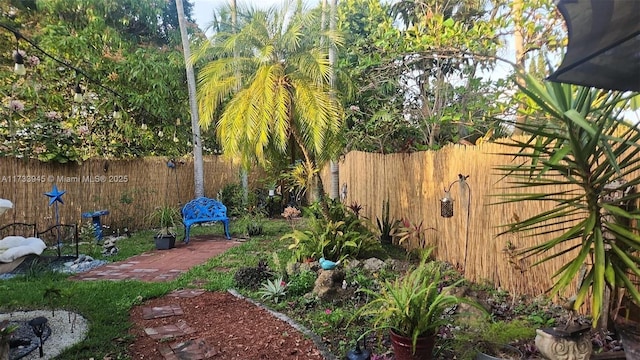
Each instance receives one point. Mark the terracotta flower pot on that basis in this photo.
(403, 347)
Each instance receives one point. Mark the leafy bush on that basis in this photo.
(335, 232)
(232, 196)
(301, 283)
(331, 240)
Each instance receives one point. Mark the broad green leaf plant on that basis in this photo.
(582, 146)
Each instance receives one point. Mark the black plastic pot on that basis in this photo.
(165, 242)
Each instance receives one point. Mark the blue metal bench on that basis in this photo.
(204, 210)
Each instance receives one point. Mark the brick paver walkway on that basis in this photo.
(194, 349)
(166, 265)
(162, 265)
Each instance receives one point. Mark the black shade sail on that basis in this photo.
(604, 44)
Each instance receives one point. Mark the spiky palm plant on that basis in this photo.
(582, 146)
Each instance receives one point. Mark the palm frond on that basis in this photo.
(583, 152)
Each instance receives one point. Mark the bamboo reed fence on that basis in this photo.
(412, 183)
(129, 189)
(415, 183)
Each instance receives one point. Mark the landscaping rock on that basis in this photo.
(373, 264)
(328, 283)
(352, 264)
(109, 247)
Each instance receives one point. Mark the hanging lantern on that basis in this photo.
(446, 205)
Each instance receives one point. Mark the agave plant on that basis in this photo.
(273, 290)
(584, 147)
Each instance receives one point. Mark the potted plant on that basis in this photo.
(254, 221)
(583, 144)
(411, 307)
(166, 219)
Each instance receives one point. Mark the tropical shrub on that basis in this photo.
(386, 225)
(413, 304)
(411, 234)
(301, 283)
(252, 277)
(231, 195)
(333, 240)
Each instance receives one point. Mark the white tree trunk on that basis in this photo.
(244, 177)
(334, 193)
(198, 173)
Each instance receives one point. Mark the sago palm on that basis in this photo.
(583, 148)
(267, 88)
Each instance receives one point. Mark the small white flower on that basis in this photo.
(16, 105)
(52, 115)
(33, 60)
(143, 126)
(175, 139)
(160, 133)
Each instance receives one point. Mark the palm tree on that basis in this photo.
(198, 167)
(267, 89)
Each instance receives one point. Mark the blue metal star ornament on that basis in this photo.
(55, 195)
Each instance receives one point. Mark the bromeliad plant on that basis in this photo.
(386, 225)
(584, 147)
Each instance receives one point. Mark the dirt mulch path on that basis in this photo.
(221, 327)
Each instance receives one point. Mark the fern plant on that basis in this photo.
(413, 305)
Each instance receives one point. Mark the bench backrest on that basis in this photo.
(204, 208)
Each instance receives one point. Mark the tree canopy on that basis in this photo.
(122, 54)
(411, 75)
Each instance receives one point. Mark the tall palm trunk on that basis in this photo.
(198, 172)
(244, 176)
(335, 169)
